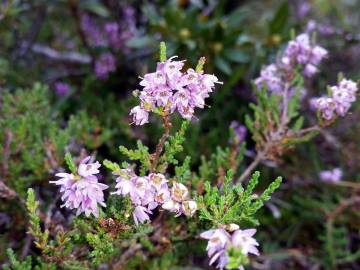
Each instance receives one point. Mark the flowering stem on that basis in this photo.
(160, 146)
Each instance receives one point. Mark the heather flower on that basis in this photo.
(170, 89)
(240, 132)
(270, 77)
(93, 32)
(140, 116)
(220, 242)
(326, 107)
(158, 181)
(331, 176)
(179, 192)
(189, 208)
(104, 65)
(299, 53)
(61, 88)
(244, 240)
(340, 100)
(82, 191)
(151, 191)
(124, 183)
(141, 214)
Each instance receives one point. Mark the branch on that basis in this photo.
(259, 157)
(73, 57)
(160, 146)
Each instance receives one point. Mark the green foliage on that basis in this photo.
(162, 51)
(233, 203)
(236, 258)
(141, 154)
(69, 161)
(102, 247)
(15, 264)
(173, 146)
(33, 142)
(41, 238)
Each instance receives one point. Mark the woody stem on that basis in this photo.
(161, 143)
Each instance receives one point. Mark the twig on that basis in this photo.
(307, 130)
(160, 146)
(72, 57)
(259, 157)
(8, 193)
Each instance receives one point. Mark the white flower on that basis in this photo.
(179, 192)
(189, 207)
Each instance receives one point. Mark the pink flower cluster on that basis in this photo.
(82, 191)
(339, 102)
(302, 52)
(299, 52)
(331, 176)
(170, 89)
(220, 241)
(151, 191)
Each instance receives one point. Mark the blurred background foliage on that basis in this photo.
(307, 225)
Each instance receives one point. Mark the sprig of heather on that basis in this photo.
(339, 100)
(149, 192)
(300, 54)
(170, 89)
(80, 189)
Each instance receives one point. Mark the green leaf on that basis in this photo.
(69, 161)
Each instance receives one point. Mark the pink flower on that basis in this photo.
(141, 214)
(244, 240)
(220, 241)
(340, 100)
(86, 169)
(83, 191)
(331, 176)
(171, 89)
(140, 116)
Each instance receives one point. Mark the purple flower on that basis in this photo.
(82, 191)
(339, 103)
(141, 214)
(240, 132)
(140, 116)
(149, 192)
(220, 241)
(326, 107)
(171, 89)
(104, 65)
(271, 78)
(61, 89)
(331, 176)
(93, 32)
(301, 52)
(244, 240)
